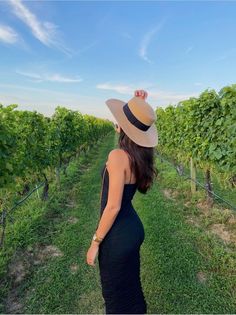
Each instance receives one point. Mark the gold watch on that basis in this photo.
(96, 238)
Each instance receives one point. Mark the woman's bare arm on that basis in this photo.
(116, 170)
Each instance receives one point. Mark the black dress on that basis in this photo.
(119, 256)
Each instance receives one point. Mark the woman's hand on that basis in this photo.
(141, 93)
(92, 253)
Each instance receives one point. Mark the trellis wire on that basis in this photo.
(197, 182)
(6, 213)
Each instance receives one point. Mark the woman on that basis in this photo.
(120, 232)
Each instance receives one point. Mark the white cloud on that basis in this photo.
(122, 89)
(145, 42)
(168, 96)
(159, 96)
(45, 32)
(46, 100)
(49, 77)
(198, 84)
(8, 35)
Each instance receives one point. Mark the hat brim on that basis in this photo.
(148, 138)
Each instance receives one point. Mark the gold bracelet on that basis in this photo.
(96, 238)
(101, 238)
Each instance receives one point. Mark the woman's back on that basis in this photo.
(119, 257)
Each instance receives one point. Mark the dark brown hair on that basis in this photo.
(141, 162)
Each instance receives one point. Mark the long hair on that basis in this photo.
(141, 162)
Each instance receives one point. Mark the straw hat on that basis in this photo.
(137, 119)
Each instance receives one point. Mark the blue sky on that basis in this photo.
(79, 53)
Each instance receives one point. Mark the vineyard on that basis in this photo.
(200, 132)
(33, 147)
(50, 176)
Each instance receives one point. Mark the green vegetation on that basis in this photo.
(43, 264)
(34, 147)
(188, 257)
(202, 129)
(185, 266)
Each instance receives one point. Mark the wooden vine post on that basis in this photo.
(193, 176)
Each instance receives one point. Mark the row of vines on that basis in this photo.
(202, 130)
(33, 146)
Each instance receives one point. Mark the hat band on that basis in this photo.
(130, 116)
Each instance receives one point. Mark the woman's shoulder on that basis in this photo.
(117, 156)
(117, 153)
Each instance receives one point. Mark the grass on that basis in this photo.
(184, 267)
(63, 283)
(219, 185)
